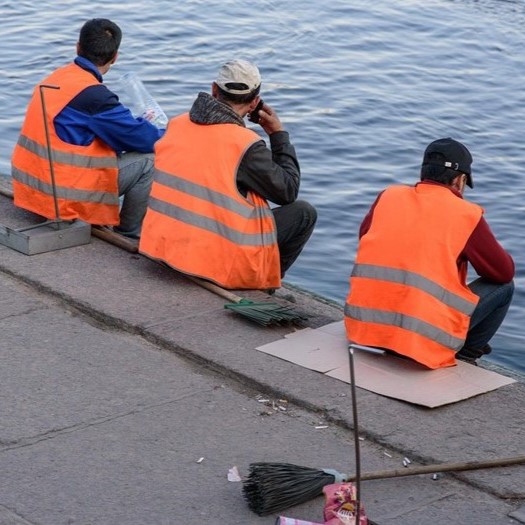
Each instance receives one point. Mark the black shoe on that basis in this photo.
(471, 354)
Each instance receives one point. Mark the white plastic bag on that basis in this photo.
(142, 104)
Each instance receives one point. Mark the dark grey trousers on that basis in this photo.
(295, 223)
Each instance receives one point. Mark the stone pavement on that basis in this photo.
(128, 392)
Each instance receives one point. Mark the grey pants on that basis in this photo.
(135, 177)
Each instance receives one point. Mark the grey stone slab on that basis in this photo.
(13, 303)
(518, 514)
(7, 517)
(63, 372)
(143, 468)
(12, 216)
(157, 301)
(83, 400)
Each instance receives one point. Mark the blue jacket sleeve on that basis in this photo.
(97, 112)
(119, 129)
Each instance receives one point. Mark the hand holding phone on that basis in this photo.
(254, 115)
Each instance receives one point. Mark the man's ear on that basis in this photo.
(459, 183)
(214, 90)
(254, 102)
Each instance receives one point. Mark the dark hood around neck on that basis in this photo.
(208, 110)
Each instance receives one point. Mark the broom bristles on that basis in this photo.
(272, 487)
(266, 313)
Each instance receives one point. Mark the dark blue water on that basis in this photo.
(362, 87)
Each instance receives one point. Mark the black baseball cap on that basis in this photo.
(456, 157)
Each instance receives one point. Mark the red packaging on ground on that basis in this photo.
(341, 505)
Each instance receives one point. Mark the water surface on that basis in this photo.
(362, 87)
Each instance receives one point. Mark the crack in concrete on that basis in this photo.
(25, 312)
(8, 516)
(51, 434)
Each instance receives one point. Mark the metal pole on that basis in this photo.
(49, 151)
(356, 437)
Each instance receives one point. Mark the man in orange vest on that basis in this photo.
(408, 291)
(99, 150)
(208, 213)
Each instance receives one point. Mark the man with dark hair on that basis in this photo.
(408, 291)
(208, 213)
(100, 151)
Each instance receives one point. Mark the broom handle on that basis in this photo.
(225, 294)
(443, 467)
(132, 247)
(117, 240)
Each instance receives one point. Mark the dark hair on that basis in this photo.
(438, 173)
(235, 98)
(99, 40)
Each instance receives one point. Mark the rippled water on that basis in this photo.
(362, 86)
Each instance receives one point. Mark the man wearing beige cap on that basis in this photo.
(208, 213)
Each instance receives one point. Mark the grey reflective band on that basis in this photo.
(71, 159)
(96, 197)
(415, 280)
(407, 322)
(202, 192)
(200, 221)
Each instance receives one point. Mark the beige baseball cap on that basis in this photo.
(238, 77)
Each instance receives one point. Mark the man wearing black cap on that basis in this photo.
(408, 290)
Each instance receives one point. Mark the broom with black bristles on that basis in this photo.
(273, 487)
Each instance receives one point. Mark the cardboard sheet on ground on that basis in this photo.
(325, 350)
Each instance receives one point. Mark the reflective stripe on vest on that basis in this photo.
(415, 280)
(407, 293)
(189, 217)
(72, 159)
(369, 315)
(64, 193)
(197, 221)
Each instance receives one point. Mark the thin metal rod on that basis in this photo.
(50, 222)
(356, 436)
(49, 151)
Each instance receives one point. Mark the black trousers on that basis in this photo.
(295, 223)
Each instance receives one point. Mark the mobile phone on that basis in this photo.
(254, 115)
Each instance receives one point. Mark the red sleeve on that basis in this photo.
(487, 256)
(367, 221)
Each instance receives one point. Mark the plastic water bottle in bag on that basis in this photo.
(141, 103)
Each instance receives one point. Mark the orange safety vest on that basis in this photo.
(86, 177)
(197, 221)
(407, 293)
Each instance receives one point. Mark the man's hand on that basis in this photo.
(269, 120)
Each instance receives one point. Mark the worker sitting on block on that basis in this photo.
(208, 214)
(408, 291)
(100, 151)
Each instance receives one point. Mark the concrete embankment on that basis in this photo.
(128, 392)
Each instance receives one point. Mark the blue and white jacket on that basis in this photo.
(96, 111)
